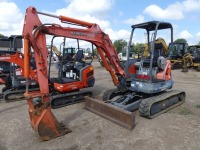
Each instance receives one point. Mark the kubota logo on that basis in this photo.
(2, 58)
(79, 33)
(82, 34)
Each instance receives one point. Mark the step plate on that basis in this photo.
(119, 116)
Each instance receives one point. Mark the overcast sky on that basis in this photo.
(113, 16)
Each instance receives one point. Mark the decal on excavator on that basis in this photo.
(3, 58)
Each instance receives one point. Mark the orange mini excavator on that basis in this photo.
(140, 85)
(13, 75)
(15, 83)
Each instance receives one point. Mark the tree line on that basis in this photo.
(137, 47)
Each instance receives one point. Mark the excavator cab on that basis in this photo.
(176, 52)
(4, 66)
(152, 74)
(191, 59)
(194, 50)
(68, 53)
(9, 46)
(74, 74)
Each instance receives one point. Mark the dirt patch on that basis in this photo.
(176, 129)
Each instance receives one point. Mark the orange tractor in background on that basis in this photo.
(9, 45)
(139, 85)
(12, 73)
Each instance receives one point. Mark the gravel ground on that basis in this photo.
(174, 130)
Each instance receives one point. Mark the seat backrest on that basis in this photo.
(158, 50)
(79, 56)
(161, 62)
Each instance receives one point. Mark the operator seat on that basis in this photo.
(161, 62)
(158, 51)
(79, 63)
(79, 56)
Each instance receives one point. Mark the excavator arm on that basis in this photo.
(34, 32)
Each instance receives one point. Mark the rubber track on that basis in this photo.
(14, 92)
(71, 94)
(82, 92)
(145, 105)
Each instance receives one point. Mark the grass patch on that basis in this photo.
(185, 111)
(197, 106)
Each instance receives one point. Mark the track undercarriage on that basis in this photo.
(149, 105)
(15, 95)
(57, 99)
(61, 100)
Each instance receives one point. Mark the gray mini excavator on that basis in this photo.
(145, 85)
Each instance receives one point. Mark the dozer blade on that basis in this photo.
(121, 117)
(44, 122)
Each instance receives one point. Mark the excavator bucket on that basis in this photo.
(46, 125)
(44, 122)
(121, 117)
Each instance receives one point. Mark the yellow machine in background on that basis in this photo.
(158, 41)
(192, 58)
(54, 48)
